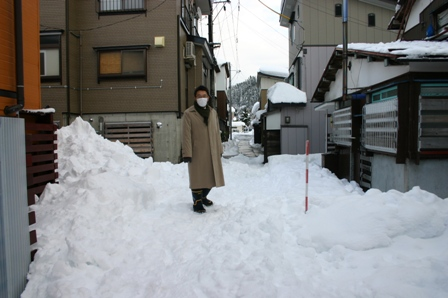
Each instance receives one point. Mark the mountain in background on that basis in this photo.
(243, 96)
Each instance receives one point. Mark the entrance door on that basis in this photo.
(293, 139)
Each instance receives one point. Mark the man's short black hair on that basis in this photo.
(201, 88)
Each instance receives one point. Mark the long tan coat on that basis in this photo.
(203, 144)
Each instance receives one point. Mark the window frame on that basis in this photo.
(122, 75)
(435, 16)
(385, 94)
(371, 20)
(44, 49)
(338, 10)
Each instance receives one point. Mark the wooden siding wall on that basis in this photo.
(7, 53)
(31, 55)
(271, 143)
(164, 63)
(41, 146)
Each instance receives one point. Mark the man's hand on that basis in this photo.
(187, 159)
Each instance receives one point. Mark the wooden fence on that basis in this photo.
(41, 159)
(137, 135)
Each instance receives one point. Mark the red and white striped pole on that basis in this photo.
(306, 174)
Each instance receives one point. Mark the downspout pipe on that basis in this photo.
(344, 48)
(67, 56)
(212, 72)
(19, 60)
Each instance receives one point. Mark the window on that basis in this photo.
(120, 6)
(290, 79)
(441, 19)
(371, 19)
(434, 90)
(338, 10)
(122, 62)
(386, 94)
(292, 33)
(50, 56)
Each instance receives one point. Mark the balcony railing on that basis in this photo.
(120, 6)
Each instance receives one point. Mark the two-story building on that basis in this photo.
(127, 67)
(315, 28)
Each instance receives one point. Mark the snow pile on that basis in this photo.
(120, 226)
(285, 93)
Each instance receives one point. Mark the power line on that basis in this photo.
(117, 22)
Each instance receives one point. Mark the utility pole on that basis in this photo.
(230, 102)
(344, 49)
(354, 143)
(210, 42)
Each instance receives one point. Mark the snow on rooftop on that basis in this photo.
(408, 49)
(40, 111)
(275, 71)
(255, 107)
(285, 93)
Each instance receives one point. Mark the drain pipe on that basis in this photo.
(19, 60)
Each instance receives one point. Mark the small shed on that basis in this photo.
(392, 131)
(289, 121)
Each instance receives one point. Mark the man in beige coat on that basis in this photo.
(202, 148)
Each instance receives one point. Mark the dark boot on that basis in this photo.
(197, 201)
(206, 202)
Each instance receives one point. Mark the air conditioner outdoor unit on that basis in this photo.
(189, 51)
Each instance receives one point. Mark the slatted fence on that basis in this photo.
(137, 135)
(41, 159)
(433, 124)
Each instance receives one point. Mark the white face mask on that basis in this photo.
(202, 102)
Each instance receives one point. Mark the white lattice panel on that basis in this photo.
(380, 126)
(342, 127)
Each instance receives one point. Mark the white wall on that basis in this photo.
(364, 74)
(266, 83)
(221, 80)
(273, 121)
(414, 16)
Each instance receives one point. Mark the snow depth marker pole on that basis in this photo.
(306, 175)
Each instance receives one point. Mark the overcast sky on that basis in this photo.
(250, 35)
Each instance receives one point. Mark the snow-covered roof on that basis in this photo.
(238, 123)
(396, 52)
(40, 111)
(275, 71)
(285, 93)
(255, 107)
(417, 49)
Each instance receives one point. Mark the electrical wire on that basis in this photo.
(282, 15)
(115, 23)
